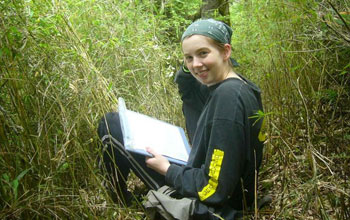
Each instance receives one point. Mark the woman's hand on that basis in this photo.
(158, 163)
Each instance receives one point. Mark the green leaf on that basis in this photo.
(345, 71)
(110, 85)
(5, 52)
(15, 184)
(6, 177)
(63, 167)
(20, 176)
(347, 137)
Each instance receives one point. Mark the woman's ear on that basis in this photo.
(227, 51)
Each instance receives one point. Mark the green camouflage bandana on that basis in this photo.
(216, 30)
(213, 29)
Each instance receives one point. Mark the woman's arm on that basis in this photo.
(190, 89)
(215, 181)
(194, 96)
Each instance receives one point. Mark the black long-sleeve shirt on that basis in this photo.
(226, 150)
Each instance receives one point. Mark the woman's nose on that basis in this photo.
(197, 62)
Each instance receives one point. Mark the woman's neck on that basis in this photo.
(232, 74)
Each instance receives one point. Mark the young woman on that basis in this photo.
(220, 107)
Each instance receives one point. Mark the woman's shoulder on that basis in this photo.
(231, 87)
(234, 90)
(226, 93)
(226, 100)
(235, 86)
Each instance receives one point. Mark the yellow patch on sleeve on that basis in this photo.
(214, 172)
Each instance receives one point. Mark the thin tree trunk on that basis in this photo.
(211, 7)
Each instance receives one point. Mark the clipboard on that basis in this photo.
(141, 131)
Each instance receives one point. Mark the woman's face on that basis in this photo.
(205, 61)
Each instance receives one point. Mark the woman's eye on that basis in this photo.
(203, 53)
(188, 59)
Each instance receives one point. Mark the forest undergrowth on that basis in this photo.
(63, 64)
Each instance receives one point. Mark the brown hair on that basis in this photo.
(220, 46)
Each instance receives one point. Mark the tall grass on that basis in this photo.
(64, 63)
(297, 52)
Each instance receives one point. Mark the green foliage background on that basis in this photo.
(64, 63)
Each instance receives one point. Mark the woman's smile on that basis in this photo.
(203, 74)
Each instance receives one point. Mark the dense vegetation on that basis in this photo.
(64, 63)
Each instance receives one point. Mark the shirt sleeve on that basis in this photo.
(191, 91)
(214, 182)
(193, 95)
